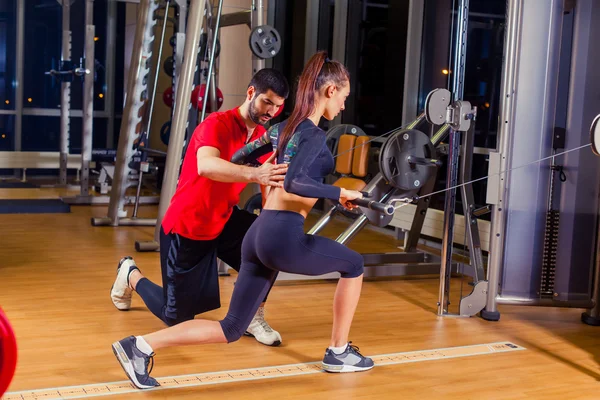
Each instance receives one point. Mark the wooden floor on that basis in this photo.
(56, 271)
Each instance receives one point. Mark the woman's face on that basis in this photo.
(335, 99)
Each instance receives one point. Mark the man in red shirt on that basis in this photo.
(203, 221)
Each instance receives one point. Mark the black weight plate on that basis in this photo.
(264, 41)
(393, 159)
(254, 204)
(168, 66)
(203, 48)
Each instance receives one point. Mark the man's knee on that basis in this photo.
(178, 320)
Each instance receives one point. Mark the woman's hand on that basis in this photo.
(346, 196)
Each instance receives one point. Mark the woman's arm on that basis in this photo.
(297, 180)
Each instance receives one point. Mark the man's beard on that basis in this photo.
(254, 115)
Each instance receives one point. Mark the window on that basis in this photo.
(8, 50)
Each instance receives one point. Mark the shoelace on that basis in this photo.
(266, 326)
(354, 349)
(150, 358)
(260, 317)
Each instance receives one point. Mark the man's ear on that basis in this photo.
(250, 93)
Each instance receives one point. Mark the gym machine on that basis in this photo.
(544, 241)
(408, 167)
(183, 68)
(264, 43)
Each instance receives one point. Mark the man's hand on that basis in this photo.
(346, 196)
(270, 173)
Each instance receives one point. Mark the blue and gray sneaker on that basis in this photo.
(135, 363)
(349, 361)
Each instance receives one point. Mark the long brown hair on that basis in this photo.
(318, 71)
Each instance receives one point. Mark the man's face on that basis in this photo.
(264, 106)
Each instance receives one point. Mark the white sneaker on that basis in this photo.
(261, 331)
(121, 292)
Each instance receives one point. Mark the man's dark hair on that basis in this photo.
(270, 79)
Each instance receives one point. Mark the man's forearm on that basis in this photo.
(219, 170)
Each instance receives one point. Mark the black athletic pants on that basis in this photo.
(189, 271)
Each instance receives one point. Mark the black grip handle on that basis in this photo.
(387, 209)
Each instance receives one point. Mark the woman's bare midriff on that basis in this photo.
(279, 199)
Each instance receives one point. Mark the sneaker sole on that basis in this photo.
(113, 285)
(274, 344)
(126, 365)
(344, 368)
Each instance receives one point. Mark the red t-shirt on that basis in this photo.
(200, 206)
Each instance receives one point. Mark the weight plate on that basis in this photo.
(393, 159)
(8, 353)
(165, 132)
(595, 135)
(254, 204)
(264, 41)
(203, 48)
(168, 66)
(435, 106)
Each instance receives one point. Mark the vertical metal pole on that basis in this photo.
(472, 230)
(340, 22)
(312, 29)
(412, 67)
(257, 19)
(506, 117)
(210, 82)
(460, 52)
(592, 316)
(449, 209)
(181, 11)
(111, 53)
(213, 91)
(212, 30)
(88, 98)
(416, 227)
(19, 75)
(65, 94)
(182, 105)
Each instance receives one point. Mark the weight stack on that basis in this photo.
(549, 257)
